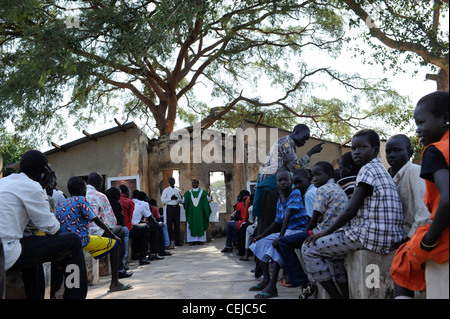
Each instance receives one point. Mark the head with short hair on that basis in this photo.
(124, 189)
(302, 180)
(300, 134)
(365, 146)
(405, 140)
(284, 181)
(437, 103)
(32, 164)
(326, 167)
(142, 196)
(347, 166)
(76, 186)
(322, 172)
(96, 180)
(113, 193)
(398, 152)
(372, 136)
(432, 117)
(135, 193)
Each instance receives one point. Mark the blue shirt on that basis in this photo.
(298, 218)
(309, 197)
(74, 215)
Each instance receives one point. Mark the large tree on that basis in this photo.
(63, 59)
(412, 27)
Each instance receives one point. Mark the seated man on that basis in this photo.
(74, 215)
(23, 198)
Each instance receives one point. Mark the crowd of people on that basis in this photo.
(41, 224)
(327, 214)
(323, 213)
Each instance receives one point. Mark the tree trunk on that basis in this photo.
(442, 80)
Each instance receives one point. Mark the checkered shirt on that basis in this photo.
(378, 222)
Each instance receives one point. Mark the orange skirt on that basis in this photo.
(408, 266)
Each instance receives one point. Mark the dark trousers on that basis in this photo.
(241, 238)
(173, 222)
(140, 234)
(232, 234)
(119, 232)
(65, 252)
(292, 264)
(154, 238)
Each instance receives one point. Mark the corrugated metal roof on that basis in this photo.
(82, 140)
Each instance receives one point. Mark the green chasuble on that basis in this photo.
(197, 211)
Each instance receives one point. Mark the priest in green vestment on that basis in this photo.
(197, 209)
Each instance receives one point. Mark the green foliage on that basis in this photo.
(414, 32)
(12, 147)
(143, 58)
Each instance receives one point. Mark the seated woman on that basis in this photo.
(239, 216)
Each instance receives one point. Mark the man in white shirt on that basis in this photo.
(23, 198)
(150, 229)
(171, 197)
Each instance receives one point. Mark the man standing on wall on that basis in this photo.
(171, 197)
(196, 206)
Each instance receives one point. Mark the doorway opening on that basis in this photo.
(218, 190)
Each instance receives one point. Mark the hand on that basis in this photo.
(275, 243)
(316, 149)
(255, 239)
(174, 197)
(118, 239)
(312, 239)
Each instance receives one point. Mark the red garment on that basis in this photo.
(408, 266)
(243, 208)
(155, 213)
(128, 209)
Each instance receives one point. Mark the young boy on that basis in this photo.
(74, 215)
(347, 171)
(290, 218)
(302, 182)
(376, 218)
(410, 186)
(430, 241)
(330, 201)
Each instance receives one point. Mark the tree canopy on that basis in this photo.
(76, 59)
(406, 31)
